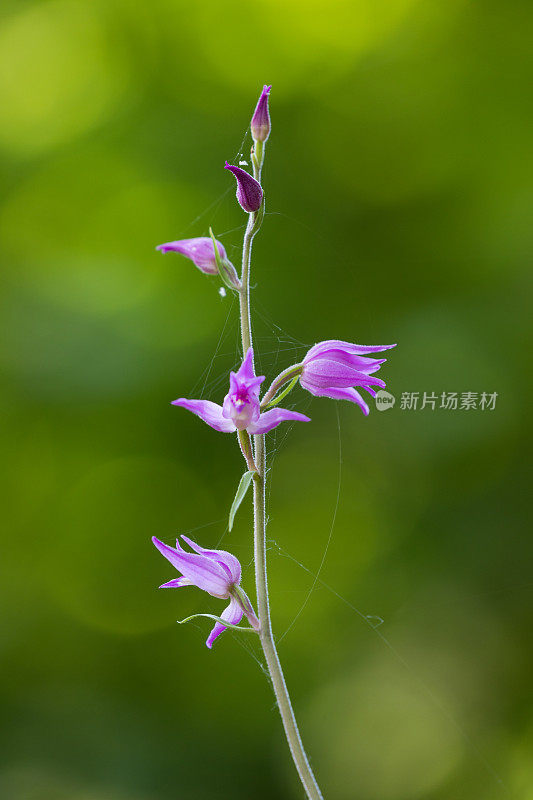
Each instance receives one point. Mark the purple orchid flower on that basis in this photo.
(334, 368)
(249, 191)
(214, 571)
(240, 410)
(260, 124)
(199, 250)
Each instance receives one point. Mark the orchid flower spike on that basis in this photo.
(214, 571)
(249, 191)
(260, 124)
(334, 368)
(201, 252)
(240, 410)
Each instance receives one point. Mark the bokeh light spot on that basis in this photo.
(59, 75)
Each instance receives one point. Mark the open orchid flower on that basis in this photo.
(240, 410)
(214, 571)
(334, 368)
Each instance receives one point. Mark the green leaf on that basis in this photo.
(239, 495)
(218, 619)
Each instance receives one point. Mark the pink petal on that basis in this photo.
(360, 363)
(232, 614)
(341, 394)
(176, 583)
(270, 419)
(203, 572)
(348, 347)
(228, 561)
(199, 250)
(324, 372)
(209, 412)
(246, 370)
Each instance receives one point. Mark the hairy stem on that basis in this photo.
(265, 630)
(265, 626)
(244, 295)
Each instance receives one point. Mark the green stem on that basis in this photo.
(244, 295)
(292, 733)
(246, 449)
(261, 580)
(283, 394)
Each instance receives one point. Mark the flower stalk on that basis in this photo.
(246, 448)
(260, 549)
(266, 636)
(290, 376)
(334, 368)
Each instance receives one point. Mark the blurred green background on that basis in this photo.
(398, 182)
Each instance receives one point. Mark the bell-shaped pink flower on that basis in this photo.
(240, 410)
(334, 368)
(214, 571)
(249, 191)
(260, 124)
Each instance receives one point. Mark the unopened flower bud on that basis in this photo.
(249, 191)
(199, 250)
(260, 124)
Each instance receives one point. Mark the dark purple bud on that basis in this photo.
(249, 192)
(260, 124)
